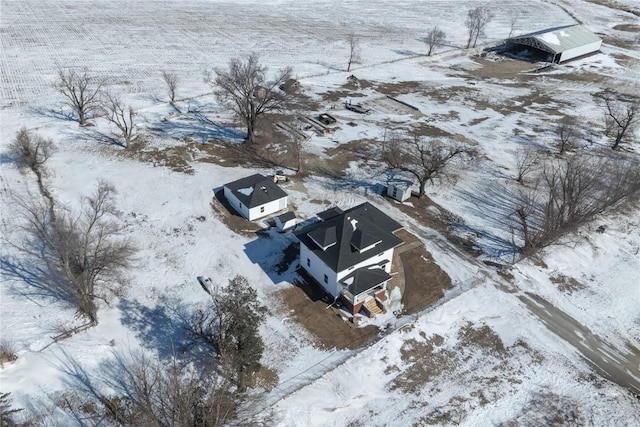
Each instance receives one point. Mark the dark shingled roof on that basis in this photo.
(329, 213)
(364, 279)
(287, 216)
(374, 226)
(256, 190)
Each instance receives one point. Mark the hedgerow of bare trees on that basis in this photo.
(81, 92)
(568, 193)
(146, 391)
(85, 249)
(355, 56)
(245, 88)
(476, 22)
(621, 117)
(121, 116)
(434, 38)
(172, 80)
(229, 325)
(422, 158)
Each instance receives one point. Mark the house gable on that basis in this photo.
(358, 231)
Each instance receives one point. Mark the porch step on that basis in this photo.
(372, 306)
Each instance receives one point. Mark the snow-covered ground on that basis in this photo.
(524, 369)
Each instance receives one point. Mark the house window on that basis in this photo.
(308, 262)
(261, 209)
(326, 279)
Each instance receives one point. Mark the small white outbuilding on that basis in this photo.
(285, 221)
(561, 44)
(255, 196)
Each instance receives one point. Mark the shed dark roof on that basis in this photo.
(364, 279)
(374, 226)
(287, 216)
(255, 190)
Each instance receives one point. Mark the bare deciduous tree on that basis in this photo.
(434, 38)
(81, 92)
(171, 79)
(568, 134)
(146, 391)
(354, 50)
(621, 117)
(513, 21)
(122, 117)
(244, 87)
(476, 22)
(85, 248)
(230, 325)
(570, 193)
(421, 158)
(32, 151)
(297, 149)
(526, 161)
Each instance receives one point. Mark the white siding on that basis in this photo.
(317, 269)
(269, 208)
(235, 203)
(386, 255)
(402, 192)
(580, 50)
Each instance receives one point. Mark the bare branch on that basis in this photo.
(121, 116)
(621, 117)
(434, 38)
(476, 22)
(354, 50)
(172, 80)
(244, 87)
(81, 92)
(423, 159)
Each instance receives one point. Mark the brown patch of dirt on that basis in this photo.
(566, 284)
(399, 88)
(266, 378)
(611, 4)
(424, 280)
(505, 68)
(483, 337)
(631, 28)
(337, 95)
(308, 305)
(236, 223)
(426, 360)
(618, 42)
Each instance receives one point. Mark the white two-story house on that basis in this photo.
(349, 253)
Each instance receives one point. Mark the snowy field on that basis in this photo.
(513, 369)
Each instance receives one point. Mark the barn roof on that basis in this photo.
(557, 40)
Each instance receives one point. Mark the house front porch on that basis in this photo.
(365, 290)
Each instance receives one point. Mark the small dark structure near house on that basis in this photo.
(290, 86)
(356, 108)
(326, 119)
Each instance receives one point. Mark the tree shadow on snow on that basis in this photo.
(160, 327)
(201, 129)
(495, 203)
(42, 280)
